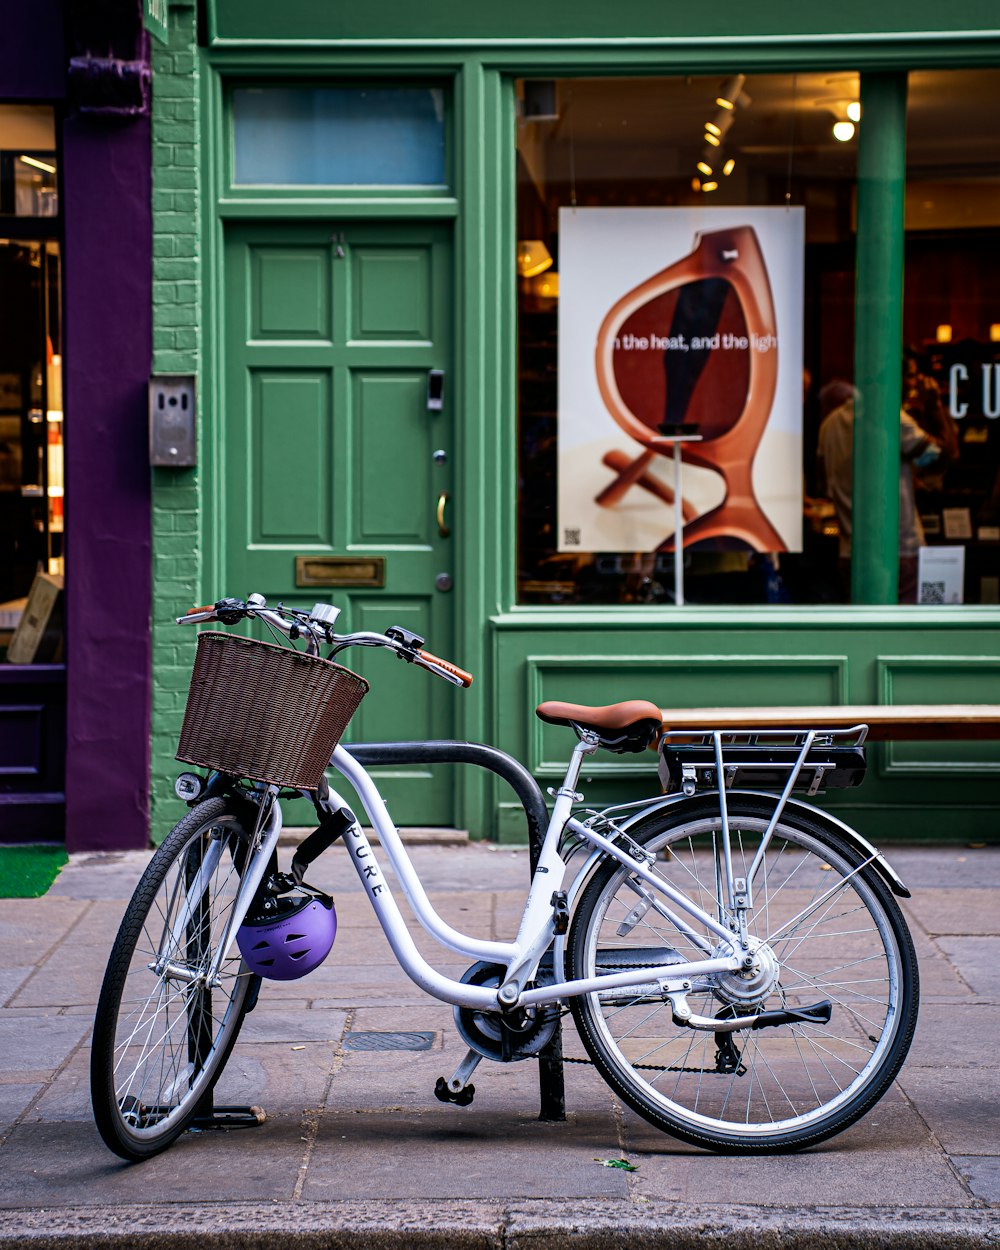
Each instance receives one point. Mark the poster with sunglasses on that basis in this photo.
(680, 322)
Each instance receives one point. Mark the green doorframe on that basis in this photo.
(485, 319)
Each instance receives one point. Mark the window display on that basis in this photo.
(31, 404)
(951, 374)
(687, 221)
(749, 144)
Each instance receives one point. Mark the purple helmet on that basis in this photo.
(289, 936)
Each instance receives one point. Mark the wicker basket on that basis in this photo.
(265, 712)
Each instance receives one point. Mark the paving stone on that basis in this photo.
(13, 1100)
(38, 921)
(461, 1156)
(31, 1042)
(67, 977)
(53, 1164)
(955, 911)
(112, 875)
(954, 1036)
(289, 1027)
(927, 868)
(983, 1175)
(284, 1080)
(962, 1113)
(887, 1159)
(977, 960)
(11, 979)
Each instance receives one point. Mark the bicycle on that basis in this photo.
(735, 961)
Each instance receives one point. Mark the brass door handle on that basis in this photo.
(443, 529)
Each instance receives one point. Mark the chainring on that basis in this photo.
(527, 1033)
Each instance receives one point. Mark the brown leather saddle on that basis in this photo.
(621, 727)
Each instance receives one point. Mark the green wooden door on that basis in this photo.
(331, 459)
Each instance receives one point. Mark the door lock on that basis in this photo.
(444, 581)
(435, 390)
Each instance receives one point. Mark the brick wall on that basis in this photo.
(176, 349)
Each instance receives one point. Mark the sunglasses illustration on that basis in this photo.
(693, 351)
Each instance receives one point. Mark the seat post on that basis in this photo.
(588, 744)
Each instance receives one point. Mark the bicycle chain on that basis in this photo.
(659, 1067)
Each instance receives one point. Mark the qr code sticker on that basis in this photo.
(932, 592)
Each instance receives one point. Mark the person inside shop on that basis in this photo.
(838, 402)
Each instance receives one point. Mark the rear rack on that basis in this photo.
(797, 758)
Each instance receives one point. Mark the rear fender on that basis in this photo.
(793, 806)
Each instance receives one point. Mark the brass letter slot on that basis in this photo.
(339, 571)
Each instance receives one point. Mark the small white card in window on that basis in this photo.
(957, 523)
(940, 574)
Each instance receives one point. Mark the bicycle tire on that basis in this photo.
(161, 1039)
(775, 1089)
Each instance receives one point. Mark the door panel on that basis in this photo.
(290, 293)
(288, 412)
(389, 424)
(392, 293)
(327, 450)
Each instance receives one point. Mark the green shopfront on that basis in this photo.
(485, 305)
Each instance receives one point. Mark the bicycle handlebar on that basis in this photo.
(297, 623)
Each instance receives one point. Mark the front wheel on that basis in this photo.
(824, 931)
(162, 1032)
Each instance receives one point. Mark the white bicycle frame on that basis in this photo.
(537, 927)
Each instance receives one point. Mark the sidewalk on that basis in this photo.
(356, 1151)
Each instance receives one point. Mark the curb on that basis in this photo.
(495, 1226)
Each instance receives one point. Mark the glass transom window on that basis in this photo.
(338, 136)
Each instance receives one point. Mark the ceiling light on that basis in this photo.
(712, 128)
(854, 110)
(995, 332)
(695, 184)
(843, 131)
(712, 139)
(710, 186)
(729, 166)
(533, 257)
(30, 160)
(731, 91)
(546, 285)
(704, 168)
(943, 334)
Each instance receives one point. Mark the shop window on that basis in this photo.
(298, 136)
(28, 167)
(951, 328)
(685, 277)
(31, 407)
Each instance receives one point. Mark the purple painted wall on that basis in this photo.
(32, 50)
(106, 204)
(108, 302)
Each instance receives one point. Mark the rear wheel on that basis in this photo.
(162, 1034)
(823, 929)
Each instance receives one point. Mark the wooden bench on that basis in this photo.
(917, 722)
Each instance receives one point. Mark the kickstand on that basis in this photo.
(209, 1116)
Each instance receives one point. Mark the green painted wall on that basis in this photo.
(520, 655)
(177, 324)
(568, 20)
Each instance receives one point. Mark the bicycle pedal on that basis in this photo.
(461, 1098)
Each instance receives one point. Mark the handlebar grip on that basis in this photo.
(209, 607)
(458, 675)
